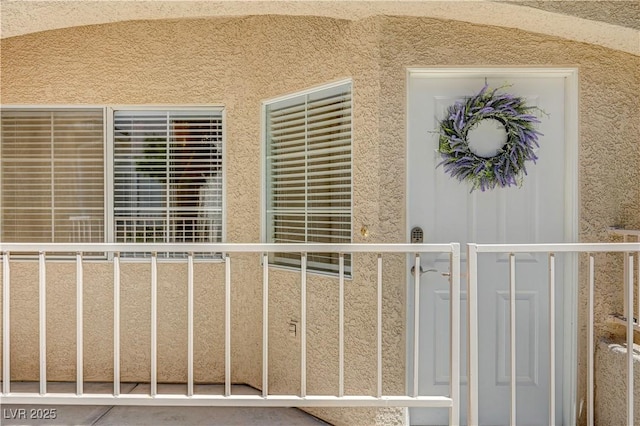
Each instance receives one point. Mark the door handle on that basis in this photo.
(422, 271)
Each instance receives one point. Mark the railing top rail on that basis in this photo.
(312, 247)
(225, 248)
(556, 248)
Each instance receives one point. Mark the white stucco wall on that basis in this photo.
(238, 62)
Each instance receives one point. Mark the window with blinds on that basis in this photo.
(52, 175)
(308, 182)
(168, 176)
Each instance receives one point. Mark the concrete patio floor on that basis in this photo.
(131, 415)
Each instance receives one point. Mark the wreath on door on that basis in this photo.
(508, 166)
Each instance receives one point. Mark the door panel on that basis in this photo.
(448, 212)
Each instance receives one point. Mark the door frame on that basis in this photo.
(571, 207)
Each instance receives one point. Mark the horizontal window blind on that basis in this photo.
(52, 175)
(168, 176)
(308, 139)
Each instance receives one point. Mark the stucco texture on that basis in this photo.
(611, 374)
(237, 63)
(135, 322)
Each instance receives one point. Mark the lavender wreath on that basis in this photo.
(507, 167)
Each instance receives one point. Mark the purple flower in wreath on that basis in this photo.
(507, 167)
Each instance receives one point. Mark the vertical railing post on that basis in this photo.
(630, 388)
(416, 325)
(379, 328)
(552, 339)
(79, 325)
(42, 290)
(227, 325)
(303, 326)
(190, 324)
(265, 325)
(590, 343)
(472, 333)
(116, 324)
(154, 324)
(454, 321)
(341, 326)
(6, 329)
(625, 279)
(512, 333)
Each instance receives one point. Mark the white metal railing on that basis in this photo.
(413, 399)
(474, 250)
(628, 235)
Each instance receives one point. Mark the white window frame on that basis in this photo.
(108, 149)
(264, 171)
(109, 171)
(70, 107)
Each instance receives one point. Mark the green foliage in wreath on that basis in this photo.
(507, 167)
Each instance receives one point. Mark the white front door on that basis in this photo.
(447, 211)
